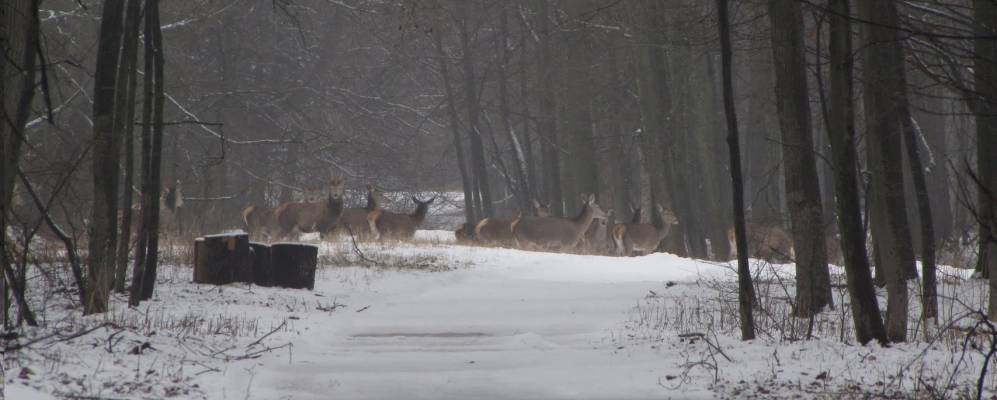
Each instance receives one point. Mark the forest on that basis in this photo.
(835, 161)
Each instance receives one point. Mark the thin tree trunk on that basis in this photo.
(124, 119)
(813, 279)
(841, 134)
(548, 123)
(156, 153)
(522, 187)
(478, 161)
(985, 77)
(106, 155)
(882, 80)
(929, 281)
(19, 30)
(470, 216)
(745, 292)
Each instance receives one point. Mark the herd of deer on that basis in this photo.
(588, 230)
(322, 211)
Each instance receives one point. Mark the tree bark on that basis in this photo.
(929, 280)
(813, 280)
(841, 133)
(478, 161)
(124, 123)
(882, 81)
(19, 32)
(470, 216)
(106, 155)
(745, 292)
(550, 150)
(985, 83)
(154, 32)
(147, 249)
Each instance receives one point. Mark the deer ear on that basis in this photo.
(536, 204)
(591, 198)
(415, 200)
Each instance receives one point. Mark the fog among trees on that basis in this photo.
(863, 134)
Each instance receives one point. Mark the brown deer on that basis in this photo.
(312, 216)
(556, 232)
(354, 219)
(633, 237)
(498, 231)
(767, 242)
(260, 221)
(387, 225)
(597, 239)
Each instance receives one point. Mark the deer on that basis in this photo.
(260, 221)
(499, 231)
(767, 242)
(386, 225)
(354, 219)
(636, 237)
(556, 232)
(597, 238)
(312, 216)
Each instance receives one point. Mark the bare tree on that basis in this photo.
(882, 80)
(985, 84)
(106, 154)
(813, 279)
(841, 132)
(147, 251)
(745, 292)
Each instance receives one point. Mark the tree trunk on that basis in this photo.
(929, 281)
(124, 120)
(985, 76)
(522, 188)
(156, 152)
(19, 32)
(478, 161)
(550, 150)
(147, 249)
(882, 80)
(745, 292)
(106, 153)
(813, 280)
(841, 133)
(470, 216)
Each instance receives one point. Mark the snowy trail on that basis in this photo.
(513, 325)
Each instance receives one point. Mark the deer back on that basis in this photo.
(389, 225)
(767, 242)
(557, 232)
(495, 231)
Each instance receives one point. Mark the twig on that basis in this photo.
(279, 327)
(60, 339)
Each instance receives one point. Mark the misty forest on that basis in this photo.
(576, 199)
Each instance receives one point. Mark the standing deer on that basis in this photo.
(354, 220)
(260, 221)
(767, 242)
(499, 231)
(628, 238)
(393, 226)
(312, 216)
(556, 232)
(597, 238)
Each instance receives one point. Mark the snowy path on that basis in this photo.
(514, 325)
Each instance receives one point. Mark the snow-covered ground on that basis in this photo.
(449, 321)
